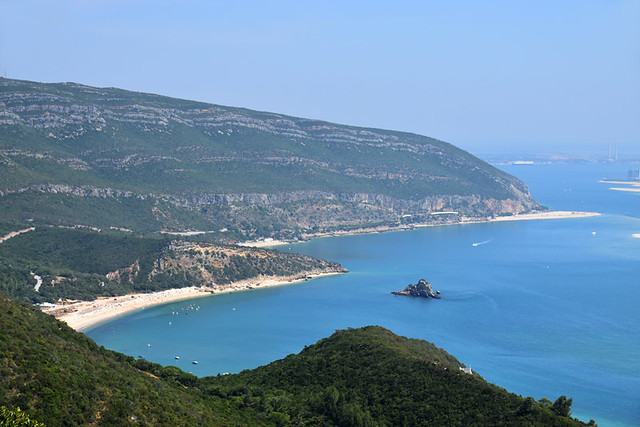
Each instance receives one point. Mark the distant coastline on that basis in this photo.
(385, 228)
(634, 185)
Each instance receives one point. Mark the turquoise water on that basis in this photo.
(543, 308)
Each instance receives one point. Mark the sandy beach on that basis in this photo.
(633, 190)
(83, 314)
(545, 215)
(634, 186)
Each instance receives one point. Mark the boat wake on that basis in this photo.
(480, 243)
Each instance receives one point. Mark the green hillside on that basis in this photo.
(104, 157)
(80, 264)
(370, 376)
(61, 377)
(365, 376)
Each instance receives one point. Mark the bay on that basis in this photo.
(542, 308)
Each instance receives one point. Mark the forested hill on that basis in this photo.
(49, 263)
(357, 377)
(105, 157)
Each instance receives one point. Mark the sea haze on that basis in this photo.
(542, 308)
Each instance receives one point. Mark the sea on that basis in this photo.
(542, 308)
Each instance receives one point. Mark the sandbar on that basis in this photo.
(545, 215)
(633, 190)
(403, 227)
(84, 314)
(634, 182)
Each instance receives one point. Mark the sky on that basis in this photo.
(488, 76)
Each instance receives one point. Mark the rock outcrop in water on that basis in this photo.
(422, 289)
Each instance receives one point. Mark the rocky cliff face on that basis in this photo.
(215, 266)
(260, 173)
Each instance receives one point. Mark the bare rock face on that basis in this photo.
(422, 289)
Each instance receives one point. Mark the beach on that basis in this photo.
(545, 215)
(84, 314)
(633, 190)
(385, 228)
(633, 183)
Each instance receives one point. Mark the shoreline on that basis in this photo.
(385, 228)
(546, 215)
(633, 190)
(84, 314)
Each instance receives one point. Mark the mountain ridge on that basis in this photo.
(258, 174)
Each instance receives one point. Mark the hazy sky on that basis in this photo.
(508, 74)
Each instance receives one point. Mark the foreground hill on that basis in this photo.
(365, 376)
(104, 157)
(61, 377)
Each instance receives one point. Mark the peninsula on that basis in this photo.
(131, 162)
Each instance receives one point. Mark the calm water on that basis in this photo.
(542, 308)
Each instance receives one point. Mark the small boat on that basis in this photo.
(177, 357)
(148, 345)
(195, 362)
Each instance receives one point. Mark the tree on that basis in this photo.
(562, 406)
(16, 418)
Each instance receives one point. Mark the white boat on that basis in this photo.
(195, 362)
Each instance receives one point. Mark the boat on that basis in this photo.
(195, 362)
(177, 357)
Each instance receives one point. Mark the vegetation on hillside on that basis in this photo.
(16, 418)
(105, 157)
(61, 377)
(80, 264)
(366, 376)
(370, 376)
